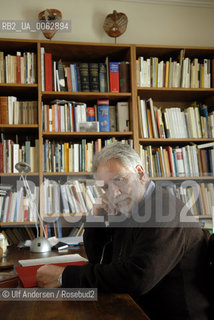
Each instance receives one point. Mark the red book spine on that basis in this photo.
(18, 57)
(170, 160)
(48, 72)
(114, 76)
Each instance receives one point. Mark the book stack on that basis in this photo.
(19, 68)
(17, 236)
(18, 112)
(75, 197)
(84, 76)
(72, 157)
(199, 197)
(174, 73)
(15, 206)
(12, 152)
(188, 161)
(191, 122)
(66, 116)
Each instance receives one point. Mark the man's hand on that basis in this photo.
(47, 276)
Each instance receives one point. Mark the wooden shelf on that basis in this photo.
(14, 224)
(175, 140)
(25, 91)
(18, 174)
(20, 127)
(181, 178)
(67, 173)
(86, 134)
(203, 217)
(84, 96)
(72, 214)
(18, 85)
(175, 94)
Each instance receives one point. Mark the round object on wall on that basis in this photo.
(49, 16)
(115, 24)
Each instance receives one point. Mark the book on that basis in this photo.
(48, 71)
(94, 77)
(122, 114)
(84, 76)
(102, 77)
(4, 114)
(124, 76)
(90, 113)
(61, 75)
(27, 273)
(113, 121)
(103, 115)
(114, 81)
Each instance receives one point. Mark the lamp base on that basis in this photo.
(40, 244)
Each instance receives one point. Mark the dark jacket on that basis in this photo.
(164, 268)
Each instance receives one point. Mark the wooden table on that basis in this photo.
(108, 306)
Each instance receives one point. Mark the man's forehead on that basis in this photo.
(108, 177)
(112, 166)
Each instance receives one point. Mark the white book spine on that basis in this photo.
(42, 52)
(180, 162)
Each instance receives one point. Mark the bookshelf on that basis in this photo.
(74, 53)
(68, 53)
(167, 94)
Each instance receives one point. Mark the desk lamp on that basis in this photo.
(39, 244)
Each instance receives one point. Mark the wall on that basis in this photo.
(148, 23)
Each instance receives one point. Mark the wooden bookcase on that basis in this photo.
(164, 98)
(74, 52)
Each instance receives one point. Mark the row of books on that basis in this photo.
(59, 228)
(15, 206)
(83, 76)
(72, 197)
(188, 161)
(77, 116)
(174, 73)
(12, 152)
(18, 112)
(17, 236)
(199, 197)
(73, 157)
(191, 122)
(19, 68)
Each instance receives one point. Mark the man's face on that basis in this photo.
(123, 187)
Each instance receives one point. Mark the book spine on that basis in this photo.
(114, 76)
(61, 73)
(124, 76)
(90, 114)
(84, 77)
(102, 77)
(18, 65)
(48, 72)
(122, 116)
(103, 115)
(94, 77)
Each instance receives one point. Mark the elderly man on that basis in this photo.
(143, 247)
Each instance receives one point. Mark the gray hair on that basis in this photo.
(117, 150)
